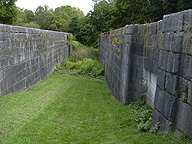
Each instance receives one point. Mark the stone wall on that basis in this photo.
(153, 62)
(29, 55)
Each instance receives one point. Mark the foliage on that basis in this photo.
(86, 67)
(56, 20)
(8, 11)
(145, 120)
(31, 25)
(143, 116)
(75, 45)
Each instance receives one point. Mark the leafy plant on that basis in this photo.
(143, 116)
(155, 128)
(75, 45)
(145, 121)
(87, 67)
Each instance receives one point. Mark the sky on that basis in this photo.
(84, 5)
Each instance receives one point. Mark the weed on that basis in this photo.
(143, 116)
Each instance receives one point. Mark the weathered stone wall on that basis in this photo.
(28, 55)
(153, 62)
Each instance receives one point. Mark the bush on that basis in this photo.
(31, 25)
(86, 67)
(92, 68)
(75, 45)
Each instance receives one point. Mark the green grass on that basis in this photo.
(71, 109)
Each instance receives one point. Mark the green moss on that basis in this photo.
(160, 40)
(40, 43)
(124, 30)
(110, 37)
(144, 29)
(119, 57)
(189, 40)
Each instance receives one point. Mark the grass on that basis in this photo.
(72, 109)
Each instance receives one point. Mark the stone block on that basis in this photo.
(186, 66)
(190, 93)
(161, 79)
(2, 27)
(134, 97)
(163, 55)
(172, 22)
(169, 107)
(154, 67)
(166, 125)
(177, 44)
(184, 117)
(166, 42)
(19, 29)
(159, 96)
(171, 83)
(131, 29)
(155, 118)
(187, 19)
(173, 63)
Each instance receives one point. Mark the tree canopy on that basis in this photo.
(106, 15)
(8, 11)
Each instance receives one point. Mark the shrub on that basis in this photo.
(75, 45)
(85, 67)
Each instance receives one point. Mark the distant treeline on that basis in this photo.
(106, 15)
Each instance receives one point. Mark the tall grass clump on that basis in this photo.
(80, 52)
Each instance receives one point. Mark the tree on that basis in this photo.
(57, 24)
(184, 4)
(8, 11)
(20, 17)
(29, 16)
(170, 6)
(43, 16)
(153, 10)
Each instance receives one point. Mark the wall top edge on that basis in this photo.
(20, 29)
(177, 13)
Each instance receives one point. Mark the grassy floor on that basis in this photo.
(69, 109)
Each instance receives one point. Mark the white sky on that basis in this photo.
(84, 5)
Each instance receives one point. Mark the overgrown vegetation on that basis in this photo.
(86, 67)
(81, 51)
(69, 109)
(83, 61)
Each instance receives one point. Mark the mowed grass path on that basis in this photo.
(69, 109)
